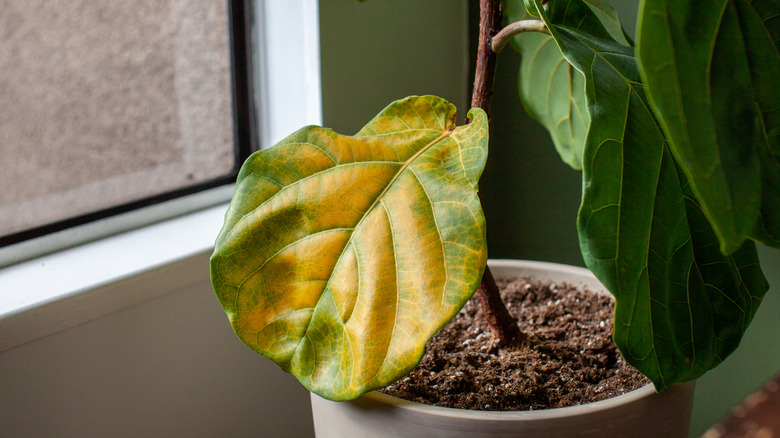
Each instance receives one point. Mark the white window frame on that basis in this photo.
(49, 293)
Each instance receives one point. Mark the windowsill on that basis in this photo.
(58, 291)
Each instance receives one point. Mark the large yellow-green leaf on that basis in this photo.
(341, 255)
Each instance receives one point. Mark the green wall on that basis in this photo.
(382, 50)
(379, 51)
(529, 196)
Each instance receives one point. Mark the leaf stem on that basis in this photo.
(501, 323)
(502, 38)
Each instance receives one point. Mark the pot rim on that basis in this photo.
(567, 273)
(542, 414)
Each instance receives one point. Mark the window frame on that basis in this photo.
(165, 247)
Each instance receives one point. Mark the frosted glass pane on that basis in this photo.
(104, 102)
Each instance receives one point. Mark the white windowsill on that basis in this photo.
(61, 290)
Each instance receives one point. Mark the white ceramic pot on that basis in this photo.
(640, 413)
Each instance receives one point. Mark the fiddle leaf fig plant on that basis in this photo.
(341, 255)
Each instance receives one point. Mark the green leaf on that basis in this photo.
(681, 306)
(767, 229)
(762, 36)
(551, 90)
(553, 93)
(340, 256)
(530, 7)
(731, 286)
(597, 18)
(607, 16)
(711, 71)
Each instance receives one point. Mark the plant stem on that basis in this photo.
(502, 324)
(489, 25)
(502, 38)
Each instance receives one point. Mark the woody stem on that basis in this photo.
(502, 324)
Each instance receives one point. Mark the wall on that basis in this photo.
(169, 367)
(379, 51)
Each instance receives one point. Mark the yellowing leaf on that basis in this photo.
(341, 255)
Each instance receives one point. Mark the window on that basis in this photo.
(106, 107)
(113, 270)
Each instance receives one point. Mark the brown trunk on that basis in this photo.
(502, 324)
(489, 25)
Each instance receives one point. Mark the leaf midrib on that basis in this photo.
(377, 201)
